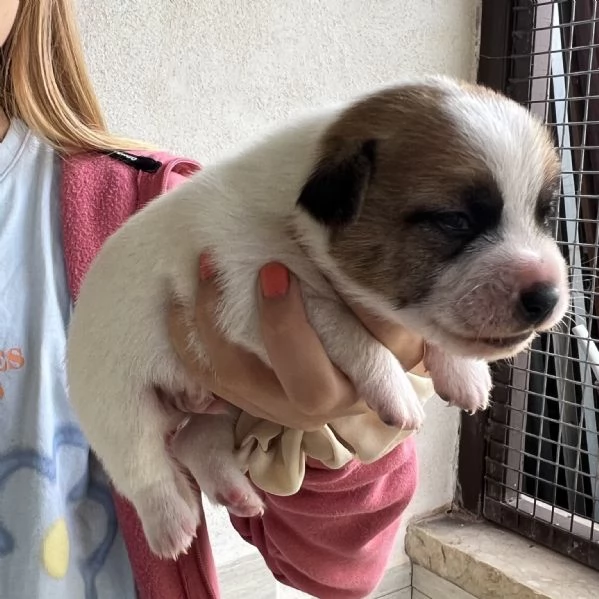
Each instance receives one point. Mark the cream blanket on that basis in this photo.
(275, 456)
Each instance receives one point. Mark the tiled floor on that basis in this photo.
(249, 578)
(427, 585)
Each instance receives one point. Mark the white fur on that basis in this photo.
(242, 210)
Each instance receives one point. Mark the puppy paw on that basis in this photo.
(462, 382)
(240, 501)
(169, 519)
(231, 489)
(393, 398)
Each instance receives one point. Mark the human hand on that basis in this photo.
(302, 389)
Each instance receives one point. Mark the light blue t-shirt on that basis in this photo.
(59, 537)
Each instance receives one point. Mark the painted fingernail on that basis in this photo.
(206, 267)
(274, 280)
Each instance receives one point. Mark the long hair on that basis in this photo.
(44, 80)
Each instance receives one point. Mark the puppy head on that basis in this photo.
(434, 202)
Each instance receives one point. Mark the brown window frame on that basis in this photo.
(506, 33)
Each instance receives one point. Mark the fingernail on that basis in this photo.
(206, 267)
(274, 280)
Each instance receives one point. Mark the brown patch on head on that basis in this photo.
(396, 181)
(420, 161)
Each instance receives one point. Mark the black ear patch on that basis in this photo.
(334, 192)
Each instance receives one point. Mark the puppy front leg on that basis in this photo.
(462, 382)
(375, 372)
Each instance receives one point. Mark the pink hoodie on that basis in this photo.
(334, 537)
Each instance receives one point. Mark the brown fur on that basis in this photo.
(421, 159)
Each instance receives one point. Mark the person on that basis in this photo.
(65, 184)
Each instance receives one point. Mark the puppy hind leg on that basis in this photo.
(149, 477)
(205, 446)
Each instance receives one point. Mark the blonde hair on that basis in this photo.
(44, 80)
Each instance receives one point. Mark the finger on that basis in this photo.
(231, 361)
(180, 329)
(298, 358)
(274, 405)
(248, 376)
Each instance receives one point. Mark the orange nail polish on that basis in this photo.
(206, 267)
(274, 280)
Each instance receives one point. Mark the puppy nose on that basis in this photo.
(538, 301)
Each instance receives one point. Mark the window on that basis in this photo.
(531, 463)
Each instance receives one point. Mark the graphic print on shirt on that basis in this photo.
(11, 359)
(58, 528)
(55, 549)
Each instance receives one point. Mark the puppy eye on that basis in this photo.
(548, 213)
(454, 222)
(547, 208)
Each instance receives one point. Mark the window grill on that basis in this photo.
(541, 446)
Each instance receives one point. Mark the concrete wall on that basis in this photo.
(199, 77)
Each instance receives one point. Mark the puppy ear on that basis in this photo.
(334, 192)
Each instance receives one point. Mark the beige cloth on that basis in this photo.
(275, 456)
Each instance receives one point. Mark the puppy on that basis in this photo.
(428, 203)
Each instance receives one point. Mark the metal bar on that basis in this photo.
(541, 448)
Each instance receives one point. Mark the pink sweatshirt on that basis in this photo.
(334, 537)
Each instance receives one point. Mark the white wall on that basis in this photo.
(199, 77)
